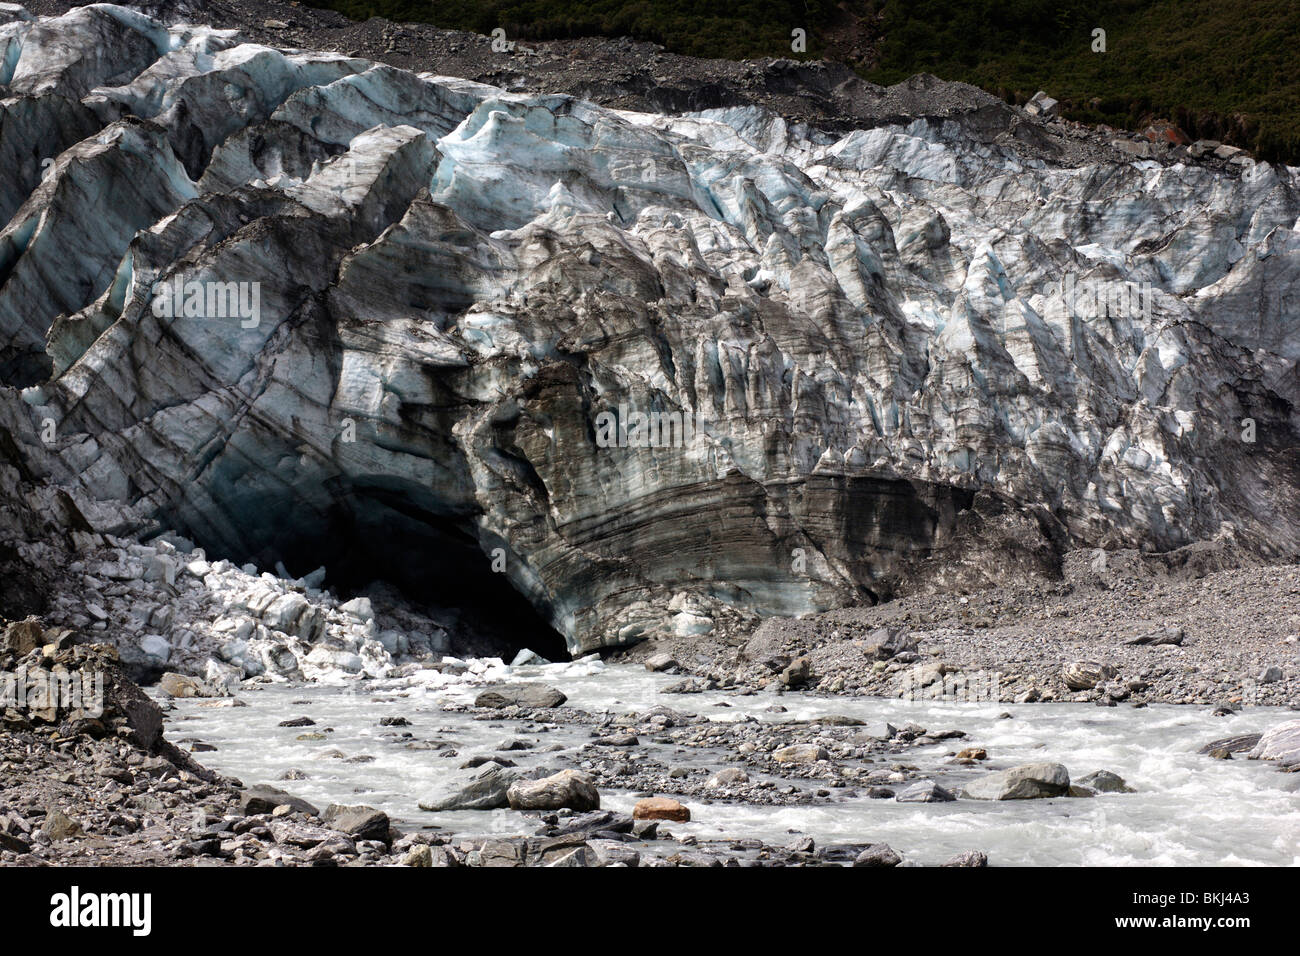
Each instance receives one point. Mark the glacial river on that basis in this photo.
(1189, 809)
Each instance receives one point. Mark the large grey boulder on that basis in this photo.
(360, 822)
(1280, 744)
(520, 695)
(1027, 782)
(924, 791)
(1103, 781)
(264, 799)
(567, 789)
(1042, 105)
(481, 788)
(878, 855)
(1241, 743)
(885, 643)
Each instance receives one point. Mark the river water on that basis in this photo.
(1189, 809)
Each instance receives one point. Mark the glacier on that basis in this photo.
(912, 353)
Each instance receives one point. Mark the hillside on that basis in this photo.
(1221, 71)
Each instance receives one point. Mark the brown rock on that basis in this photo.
(179, 685)
(60, 826)
(23, 637)
(660, 808)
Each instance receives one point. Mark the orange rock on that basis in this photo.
(660, 808)
(1167, 131)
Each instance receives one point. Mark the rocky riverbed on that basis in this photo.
(479, 762)
(756, 778)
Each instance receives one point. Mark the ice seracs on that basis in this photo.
(893, 387)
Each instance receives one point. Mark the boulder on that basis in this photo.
(13, 844)
(609, 852)
(1026, 782)
(59, 826)
(839, 720)
(293, 833)
(968, 858)
(264, 799)
(879, 855)
(924, 791)
(420, 856)
(1103, 781)
(1040, 104)
(23, 637)
(608, 821)
(1242, 743)
(767, 646)
(727, 777)
(617, 740)
(481, 788)
(1280, 744)
(496, 853)
(660, 662)
(578, 856)
(800, 753)
(661, 808)
(886, 643)
(1164, 637)
(1139, 149)
(181, 685)
(520, 695)
(567, 789)
(1085, 675)
(798, 674)
(358, 822)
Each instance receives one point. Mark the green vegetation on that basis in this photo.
(1220, 70)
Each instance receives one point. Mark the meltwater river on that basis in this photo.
(1188, 808)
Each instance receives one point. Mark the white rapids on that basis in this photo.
(1188, 809)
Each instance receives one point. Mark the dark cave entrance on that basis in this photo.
(381, 543)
